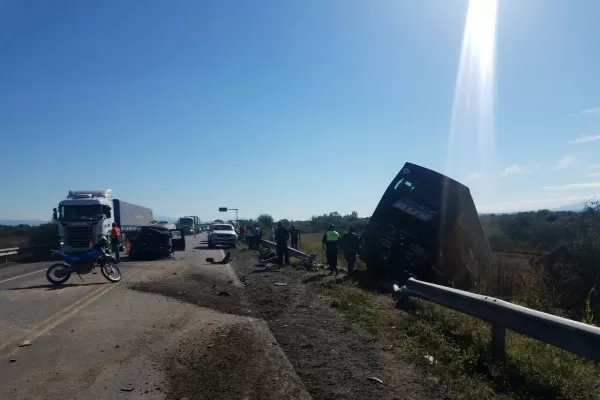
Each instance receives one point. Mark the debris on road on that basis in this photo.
(12, 360)
(127, 389)
(431, 360)
(225, 260)
(117, 346)
(280, 284)
(224, 293)
(25, 343)
(374, 379)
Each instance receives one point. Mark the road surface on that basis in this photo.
(97, 340)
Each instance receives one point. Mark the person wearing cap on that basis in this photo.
(294, 237)
(330, 241)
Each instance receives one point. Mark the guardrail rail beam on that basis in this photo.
(575, 337)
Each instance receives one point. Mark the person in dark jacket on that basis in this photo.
(295, 237)
(330, 241)
(281, 239)
(350, 244)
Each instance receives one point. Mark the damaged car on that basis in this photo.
(156, 241)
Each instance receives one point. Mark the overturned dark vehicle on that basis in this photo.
(426, 226)
(156, 241)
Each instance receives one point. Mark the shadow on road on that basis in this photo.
(50, 286)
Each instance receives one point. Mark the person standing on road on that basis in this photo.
(258, 234)
(250, 233)
(295, 237)
(271, 233)
(330, 245)
(281, 239)
(350, 244)
(115, 240)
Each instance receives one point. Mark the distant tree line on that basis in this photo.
(532, 231)
(316, 223)
(27, 235)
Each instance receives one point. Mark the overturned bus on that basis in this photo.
(426, 226)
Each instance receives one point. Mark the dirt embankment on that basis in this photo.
(333, 357)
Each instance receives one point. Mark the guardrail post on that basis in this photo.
(498, 344)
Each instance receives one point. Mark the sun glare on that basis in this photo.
(470, 142)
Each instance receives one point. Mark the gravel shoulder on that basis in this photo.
(334, 357)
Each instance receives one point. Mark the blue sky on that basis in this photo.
(293, 108)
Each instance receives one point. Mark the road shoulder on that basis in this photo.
(334, 356)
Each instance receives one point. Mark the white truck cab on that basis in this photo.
(85, 215)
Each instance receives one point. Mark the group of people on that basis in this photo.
(333, 243)
(281, 237)
(252, 234)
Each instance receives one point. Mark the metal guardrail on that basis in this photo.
(18, 251)
(307, 258)
(573, 336)
(8, 252)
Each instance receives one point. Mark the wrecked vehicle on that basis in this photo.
(426, 226)
(156, 241)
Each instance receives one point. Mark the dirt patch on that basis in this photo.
(334, 357)
(201, 290)
(227, 368)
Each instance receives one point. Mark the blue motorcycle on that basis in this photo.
(84, 263)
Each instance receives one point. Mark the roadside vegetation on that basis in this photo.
(40, 238)
(558, 276)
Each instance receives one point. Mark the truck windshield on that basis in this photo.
(81, 213)
(186, 221)
(222, 228)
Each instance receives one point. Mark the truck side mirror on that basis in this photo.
(54, 216)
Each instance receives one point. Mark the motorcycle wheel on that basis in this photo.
(111, 272)
(51, 274)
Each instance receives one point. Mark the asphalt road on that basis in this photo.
(99, 340)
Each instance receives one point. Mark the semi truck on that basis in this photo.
(196, 223)
(85, 215)
(187, 224)
(426, 226)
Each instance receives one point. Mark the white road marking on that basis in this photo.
(21, 276)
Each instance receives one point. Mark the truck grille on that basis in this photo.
(79, 236)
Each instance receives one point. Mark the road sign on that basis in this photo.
(222, 209)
